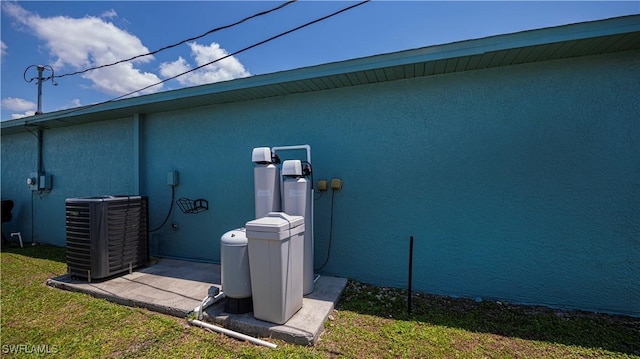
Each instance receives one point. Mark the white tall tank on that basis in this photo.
(266, 189)
(297, 202)
(234, 266)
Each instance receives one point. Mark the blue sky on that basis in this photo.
(75, 35)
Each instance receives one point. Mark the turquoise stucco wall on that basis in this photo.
(519, 183)
(90, 160)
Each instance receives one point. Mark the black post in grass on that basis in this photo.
(410, 275)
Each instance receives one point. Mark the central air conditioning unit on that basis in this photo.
(106, 235)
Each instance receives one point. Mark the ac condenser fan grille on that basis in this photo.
(106, 235)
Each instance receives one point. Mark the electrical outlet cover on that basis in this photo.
(336, 183)
(322, 185)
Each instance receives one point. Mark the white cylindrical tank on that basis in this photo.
(234, 264)
(266, 189)
(297, 202)
(266, 180)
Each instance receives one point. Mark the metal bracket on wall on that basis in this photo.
(190, 206)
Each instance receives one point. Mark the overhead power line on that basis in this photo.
(244, 49)
(183, 41)
(222, 58)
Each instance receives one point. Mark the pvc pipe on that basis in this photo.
(232, 334)
(297, 147)
(207, 302)
(19, 237)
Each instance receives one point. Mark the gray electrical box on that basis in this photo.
(44, 181)
(39, 181)
(172, 178)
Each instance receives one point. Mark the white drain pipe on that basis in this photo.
(209, 300)
(20, 238)
(232, 334)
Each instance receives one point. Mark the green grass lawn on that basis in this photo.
(369, 322)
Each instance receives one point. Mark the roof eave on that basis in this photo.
(180, 99)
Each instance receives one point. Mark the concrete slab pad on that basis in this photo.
(176, 287)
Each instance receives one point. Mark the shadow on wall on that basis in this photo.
(589, 330)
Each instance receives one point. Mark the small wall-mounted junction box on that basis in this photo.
(172, 178)
(39, 181)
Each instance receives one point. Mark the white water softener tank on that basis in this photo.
(297, 202)
(234, 271)
(275, 252)
(234, 257)
(266, 179)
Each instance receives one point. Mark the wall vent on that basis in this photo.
(106, 235)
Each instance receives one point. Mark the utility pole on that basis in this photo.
(41, 69)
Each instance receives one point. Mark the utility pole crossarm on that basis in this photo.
(41, 69)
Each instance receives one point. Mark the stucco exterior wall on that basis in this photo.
(90, 160)
(519, 183)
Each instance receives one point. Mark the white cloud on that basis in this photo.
(21, 115)
(3, 48)
(17, 104)
(74, 103)
(122, 79)
(223, 70)
(15, 10)
(79, 43)
(25, 107)
(170, 69)
(90, 41)
(109, 14)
